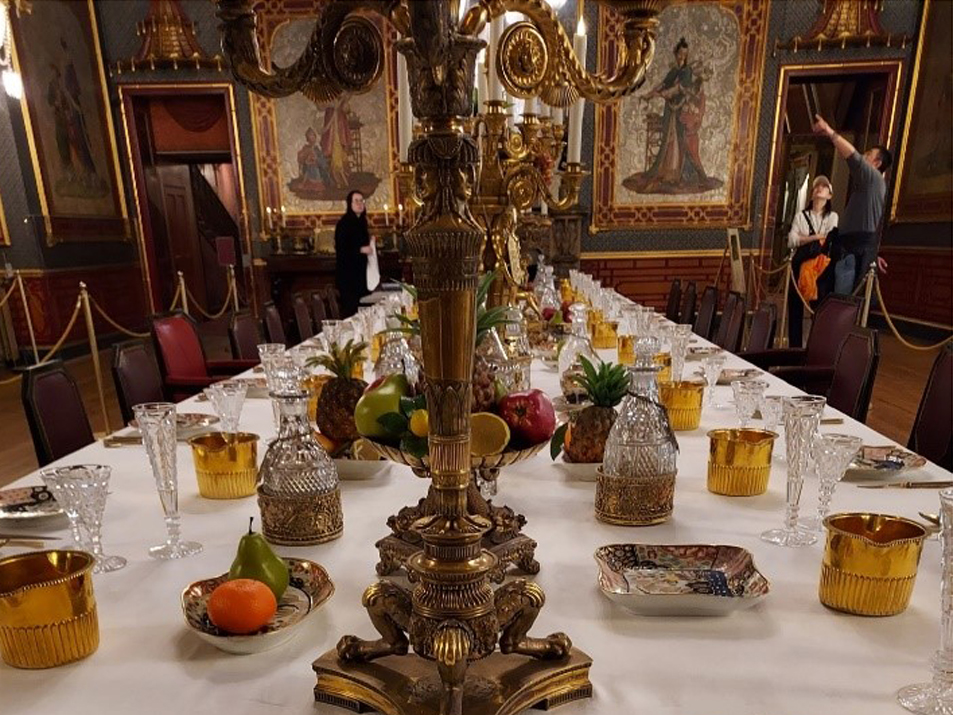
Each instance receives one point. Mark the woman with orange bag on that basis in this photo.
(812, 233)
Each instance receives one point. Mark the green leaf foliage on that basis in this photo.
(394, 422)
(413, 445)
(606, 385)
(556, 443)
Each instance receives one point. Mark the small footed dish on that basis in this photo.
(680, 579)
(309, 587)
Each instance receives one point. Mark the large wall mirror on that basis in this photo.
(858, 99)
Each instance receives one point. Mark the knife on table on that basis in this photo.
(907, 485)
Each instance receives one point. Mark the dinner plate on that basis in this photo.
(701, 352)
(308, 589)
(883, 461)
(27, 504)
(730, 374)
(352, 470)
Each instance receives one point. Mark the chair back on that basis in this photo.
(686, 313)
(54, 412)
(732, 324)
(274, 327)
(136, 375)
(761, 335)
(674, 300)
(334, 305)
(854, 373)
(834, 318)
(706, 312)
(302, 317)
(318, 310)
(244, 334)
(178, 346)
(725, 319)
(932, 433)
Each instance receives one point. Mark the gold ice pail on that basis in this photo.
(226, 464)
(683, 402)
(739, 461)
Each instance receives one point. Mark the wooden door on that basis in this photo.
(181, 228)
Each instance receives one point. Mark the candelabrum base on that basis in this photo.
(925, 699)
(789, 537)
(409, 685)
(181, 550)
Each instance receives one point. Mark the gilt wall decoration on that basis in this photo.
(924, 189)
(312, 153)
(69, 125)
(680, 150)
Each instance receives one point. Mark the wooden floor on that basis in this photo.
(900, 380)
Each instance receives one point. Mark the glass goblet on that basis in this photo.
(87, 486)
(227, 398)
(54, 478)
(748, 396)
(802, 416)
(833, 453)
(157, 425)
(712, 366)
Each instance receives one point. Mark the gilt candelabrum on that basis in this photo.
(475, 654)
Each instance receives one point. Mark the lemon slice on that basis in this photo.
(362, 449)
(489, 434)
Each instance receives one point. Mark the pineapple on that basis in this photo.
(605, 386)
(339, 396)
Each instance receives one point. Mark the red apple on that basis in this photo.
(548, 313)
(530, 415)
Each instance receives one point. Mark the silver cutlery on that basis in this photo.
(907, 485)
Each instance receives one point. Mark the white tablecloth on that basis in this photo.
(788, 655)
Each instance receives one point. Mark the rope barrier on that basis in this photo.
(893, 328)
(219, 314)
(810, 311)
(113, 323)
(69, 327)
(176, 297)
(772, 271)
(13, 287)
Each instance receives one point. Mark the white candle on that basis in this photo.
(405, 114)
(545, 110)
(386, 216)
(557, 115)
(481, 84)
(496, 31)
(270, 224)
(531, 106)
(574, 150)
(400, 214)
(284, 220)
(510, 112)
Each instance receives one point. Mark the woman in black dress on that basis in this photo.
(352, 244)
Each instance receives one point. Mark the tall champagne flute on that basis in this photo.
(802, 416)
(157, 425)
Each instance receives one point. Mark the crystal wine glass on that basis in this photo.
(936, 697)
(748, 395)
(86, 486)
(157, 425)
(712, 366)
(54, 478)
(833, 453)
(227, 398)
(772, 408)
(802, 416)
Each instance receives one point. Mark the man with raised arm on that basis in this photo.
(865, 208)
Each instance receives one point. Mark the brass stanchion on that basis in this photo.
(868, 294)
(233, 286)
(782, 338)
(183, 292)
(29, 320)
(94, 352)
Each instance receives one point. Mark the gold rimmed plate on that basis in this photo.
(309, 587)
(28, 504)
(702, 351)
(883, 461)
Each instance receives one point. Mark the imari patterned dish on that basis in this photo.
(886, 460)
(28, 504)
(309, 587)
(680, 579)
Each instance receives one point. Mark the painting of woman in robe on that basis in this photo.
(677, 167)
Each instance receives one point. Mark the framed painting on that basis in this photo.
(680, 151)
(68, 122)
(310, 155)
(924, 189)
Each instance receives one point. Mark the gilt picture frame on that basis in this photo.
(69, 123)
(308, 155)
(924, 185)
(680, 151)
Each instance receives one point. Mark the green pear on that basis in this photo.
(256, 560)
(381, 397)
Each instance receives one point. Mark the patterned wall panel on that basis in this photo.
(919, 284)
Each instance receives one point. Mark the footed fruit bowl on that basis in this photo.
(309, 587)
(680, 580)
(483, 465)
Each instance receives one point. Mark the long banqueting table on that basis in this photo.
(787, 655)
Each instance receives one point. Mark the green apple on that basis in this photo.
(379, 398)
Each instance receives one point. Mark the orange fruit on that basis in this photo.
(330, 446)
(241, 606)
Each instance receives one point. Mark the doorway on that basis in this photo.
(859, 100)
(184, 157)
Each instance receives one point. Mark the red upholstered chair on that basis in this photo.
(763, 323)
(136, 375)
(54, 412)
(302, 317)
(932, 433)
(811, 368)
(686, 313)
(706, 312)
(244, 334)
(185, 371)
(674, 300)
(318, 311)
(854, 372)
(334, 305)
(274, 325)
(731, 326)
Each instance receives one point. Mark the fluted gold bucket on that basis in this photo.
(605, 335)
(739, 461)
(870, 563)
(226, 464)
(683, 402)
(665, 361)
(47, 608)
